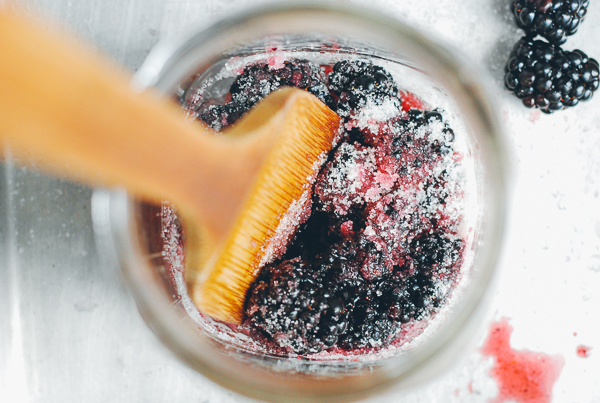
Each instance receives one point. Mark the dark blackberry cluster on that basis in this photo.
(541, 73)
(378, 308)
(437, 251)
(221, 116)
(545, 76)
(353, 82)
(350, 84)
(552, 19)
(292, 307)
(305, 306)
(259, 80)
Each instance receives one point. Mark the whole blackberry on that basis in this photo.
(552, 19)
(414, 296)
(545, 76)
(379, 308)
(220, 116)
(369, 326)
(355, 82)
(259, 80)
(291, 306)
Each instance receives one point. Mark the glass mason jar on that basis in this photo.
(130, 230)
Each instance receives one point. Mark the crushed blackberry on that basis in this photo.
(353, 82)
(552, 19)
(549, 78)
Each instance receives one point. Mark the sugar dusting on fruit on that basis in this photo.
(522, 375)
(371, 257)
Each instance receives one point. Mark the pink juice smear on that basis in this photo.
(522, 375)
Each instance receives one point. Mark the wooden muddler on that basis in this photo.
(72, 112)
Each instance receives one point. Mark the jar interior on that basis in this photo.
(212, 80)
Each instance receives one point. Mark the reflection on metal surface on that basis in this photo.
(12, 372)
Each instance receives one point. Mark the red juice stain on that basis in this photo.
(583, 351)
(522, 375)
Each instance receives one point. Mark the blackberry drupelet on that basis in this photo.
(552, 19)
(545, 76)
(355, 82)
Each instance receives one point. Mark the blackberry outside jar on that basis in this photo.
(131, 233)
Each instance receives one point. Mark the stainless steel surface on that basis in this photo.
(70, 332)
